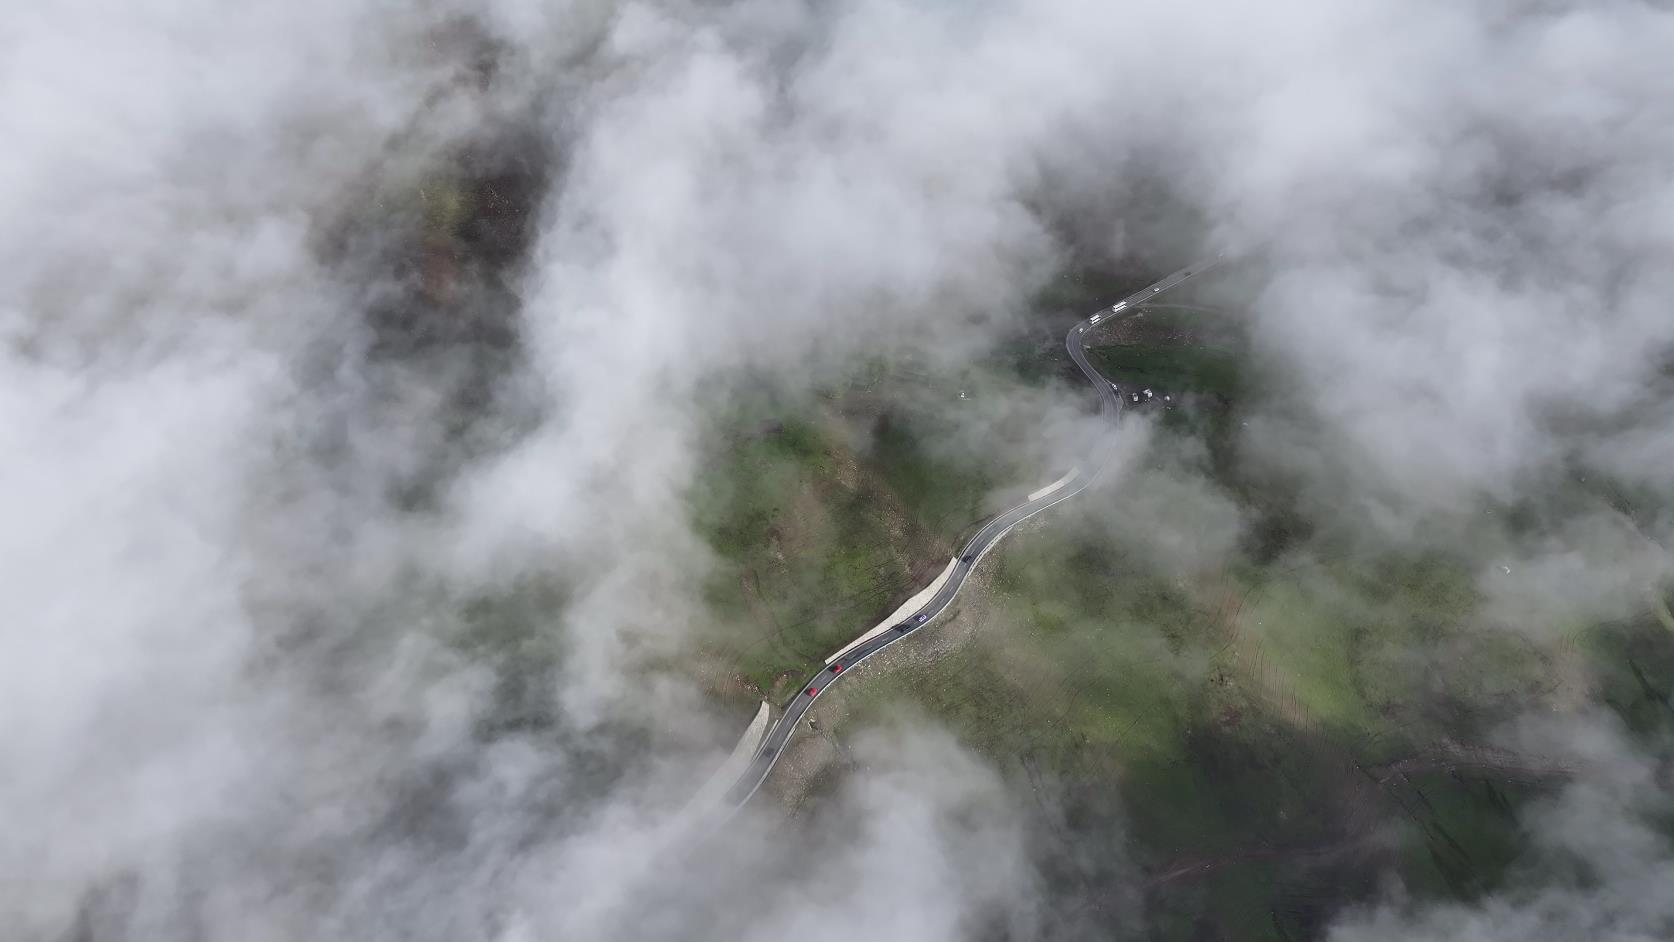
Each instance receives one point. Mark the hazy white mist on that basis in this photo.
(238, 695)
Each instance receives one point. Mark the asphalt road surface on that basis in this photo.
(1110, 403)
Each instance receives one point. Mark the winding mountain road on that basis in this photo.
(1110, 403)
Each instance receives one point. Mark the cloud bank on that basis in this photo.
(251, 553)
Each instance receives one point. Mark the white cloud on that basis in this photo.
(239, 686)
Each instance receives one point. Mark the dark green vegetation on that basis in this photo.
(1234, 752)
(1200, 370)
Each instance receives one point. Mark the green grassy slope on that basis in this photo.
(825, 514)
(1245, 748)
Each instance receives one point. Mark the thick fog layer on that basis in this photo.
(252, 548)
